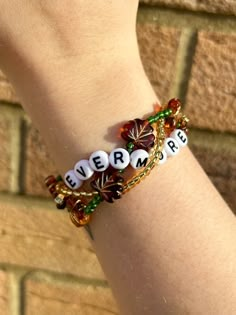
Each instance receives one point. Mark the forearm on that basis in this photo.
(168, 246)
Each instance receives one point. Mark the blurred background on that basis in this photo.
(188, 49)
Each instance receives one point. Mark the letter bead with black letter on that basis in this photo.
(171, 146)
(83, 170)
(163, 157)
(139, 158)
(71, 180)
(180, 136)
(99, 161)
(119, 158)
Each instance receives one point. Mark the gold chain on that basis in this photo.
(155, 156)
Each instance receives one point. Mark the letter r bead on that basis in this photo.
(171, 146)
(180, 136)
(119, 158)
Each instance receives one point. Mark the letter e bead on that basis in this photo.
(71, 180)
(99, 161)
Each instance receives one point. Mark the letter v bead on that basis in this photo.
(83, 170)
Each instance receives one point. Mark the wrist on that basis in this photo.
(81, 28)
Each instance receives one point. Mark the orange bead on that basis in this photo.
(170, 124)
(79, 218)
(175, 105)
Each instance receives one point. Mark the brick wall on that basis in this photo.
(46, 265)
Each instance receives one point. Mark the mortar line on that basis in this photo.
(15, 151)
(183, 10)
(22, 154)
(203, 21)
(15, 292)
(183, 65)
(23, 273)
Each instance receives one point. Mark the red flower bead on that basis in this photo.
(140, 133)
(175, 105)
(108, 184)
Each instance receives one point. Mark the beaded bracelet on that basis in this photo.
(146, 147)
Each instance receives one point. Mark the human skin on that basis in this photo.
(169, 245)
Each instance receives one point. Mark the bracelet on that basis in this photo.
(146, 147)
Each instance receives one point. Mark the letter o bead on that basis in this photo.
(180, 136)
(71, 180)
(163, 157)
(171, 146)
(99, 161)
(139, 158)
(119, 158)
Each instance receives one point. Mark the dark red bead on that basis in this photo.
(139, 132)
(175, 105)
(50, 180)
(52, 190)
(70, 202)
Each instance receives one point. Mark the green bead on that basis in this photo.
(151, 119)
(168, 112)
(59, 178)
(129, 145)
(88, 209)
(121, 171)
(98, 198)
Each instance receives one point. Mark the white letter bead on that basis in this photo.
(119, 158)
(171, 146)
(180, 136)
(99, 161)
(163, 157)
(71, 180)
(139, 158)
(83, 170)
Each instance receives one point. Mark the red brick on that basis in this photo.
(211, 99)
(158, 48)
(7, 92)
(217, 155)
(34, 234)
(39, 164)
(227, 189)
(219, 6)
(47, 297)
(4, 294)
(5, 150)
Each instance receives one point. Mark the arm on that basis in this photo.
(175, 254)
